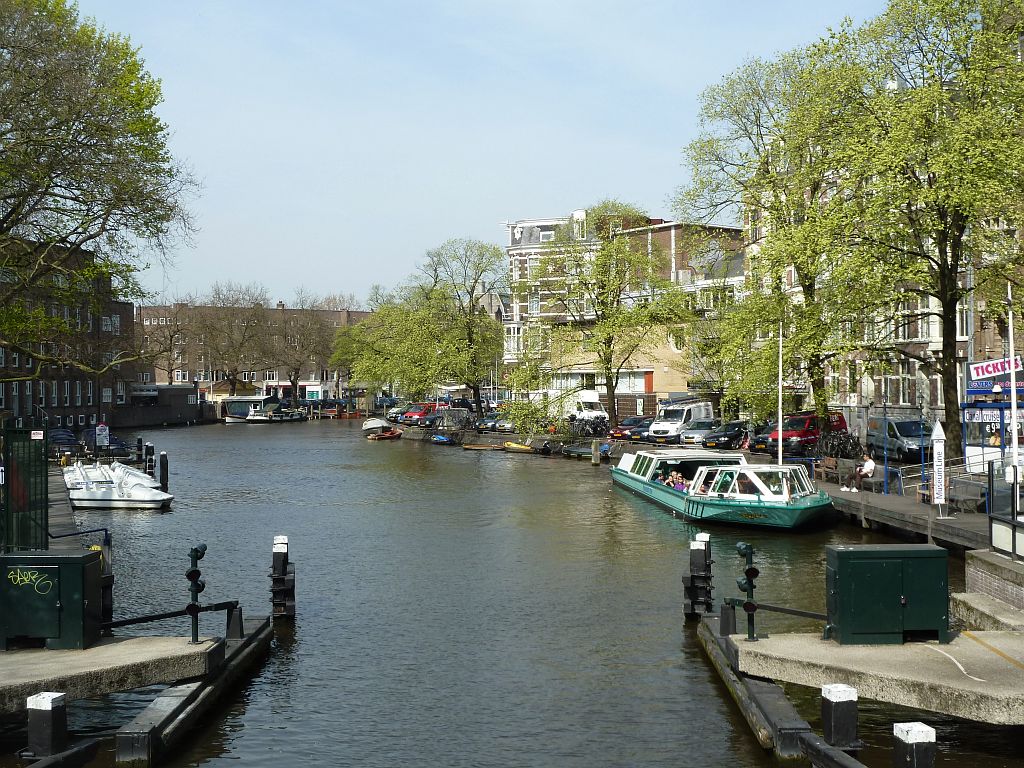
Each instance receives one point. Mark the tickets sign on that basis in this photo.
(989, 369)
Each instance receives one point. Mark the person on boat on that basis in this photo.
(854, 481)
(680, 484)
(671, 481)
(745, 485)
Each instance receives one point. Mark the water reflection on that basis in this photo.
(455, 607)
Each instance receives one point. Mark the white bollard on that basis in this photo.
(839, 715)
(915, 745)
(47, 723)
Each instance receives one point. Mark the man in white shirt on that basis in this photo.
(855, 479)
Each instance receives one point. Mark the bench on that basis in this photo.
(829, 468)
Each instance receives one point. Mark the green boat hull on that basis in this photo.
(796, 513)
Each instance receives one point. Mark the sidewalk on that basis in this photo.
(906, 513)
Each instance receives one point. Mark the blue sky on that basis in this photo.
(336, 142)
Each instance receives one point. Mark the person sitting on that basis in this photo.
(994, 439)
(671, 480)
(680, 484)
(854, 481)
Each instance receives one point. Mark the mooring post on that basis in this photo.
(235, 629)
(839, 716)
(47, 724)
(138, 450)
(282, 584)
(915, 745)
(150, 452)
(595, 453)
(697, 585)
(163, 471)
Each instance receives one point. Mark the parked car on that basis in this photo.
(759, 440)
(641, 433)
(621, 432)
(694, 434)
(900, 438)
(729, 435)
(800, 432)
(416, 413)
(395, 412)
(488, 422)
(504, 424)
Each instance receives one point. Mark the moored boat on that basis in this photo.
(518, 447)
(724, 488)
(482, 447)
(388, 434)
(96, 486)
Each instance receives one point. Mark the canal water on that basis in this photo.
(460, 608)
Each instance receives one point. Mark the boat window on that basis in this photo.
(641, 466)
(772, 480)
(725, 482)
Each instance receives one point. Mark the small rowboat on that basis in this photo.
(392, 434)
(518, 448)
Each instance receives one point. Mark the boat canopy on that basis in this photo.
(769, 482)
(685, 461)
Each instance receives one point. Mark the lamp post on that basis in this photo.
(920, 437)
(199, 407)
(885, 440)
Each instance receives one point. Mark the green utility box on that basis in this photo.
(880, 594)
(50, 596)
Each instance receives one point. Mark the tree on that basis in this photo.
(605, 294)
(303, 339)
(767, 148)
(85, 173)
(467, 273)
(233, 326)
(932, 149)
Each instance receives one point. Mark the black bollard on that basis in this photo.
(138, 450)
(163, 471)
(915, 746)
(235, 629)
(47, 724)
(839, 716)
(150, 453)
(698, 584)
(282, 585)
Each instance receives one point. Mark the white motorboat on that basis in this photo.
(124, 471)
(96, 486)
(376, 424)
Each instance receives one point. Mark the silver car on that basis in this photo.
(694, 434)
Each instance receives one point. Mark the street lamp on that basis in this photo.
(885, 440)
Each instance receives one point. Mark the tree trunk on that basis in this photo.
(609, 388)
(476, 399)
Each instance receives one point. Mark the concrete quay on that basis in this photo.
(977, 676)
(113, 664)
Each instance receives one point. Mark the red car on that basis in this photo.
(621, 432)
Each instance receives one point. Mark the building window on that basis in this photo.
(108, 395)
(145, 378)
(105, 324)
(78, 393)
(963, 320)
(88, 393)
(42, 393)
(53, 392)
(146, 321)
(81, 419)
(115, 324)
(534, 304)
(3, 395)
(15, 397)
(120, 392)
(547, 236)
(15, 359)
(163, 321)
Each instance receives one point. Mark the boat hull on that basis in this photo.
(91, 500)
(797, 513)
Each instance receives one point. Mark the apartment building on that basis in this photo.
(225, 350)
(705, 262)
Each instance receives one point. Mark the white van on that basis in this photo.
(673, 418)
(583, 404)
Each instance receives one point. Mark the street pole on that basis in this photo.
(778, 426)
(920, 437)
(1015, 444)
(885, 439)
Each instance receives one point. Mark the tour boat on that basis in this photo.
(236, 409)
(96, 486)
(724, 488)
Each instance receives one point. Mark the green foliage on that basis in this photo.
(84, 167)
(435, 329)
(607, 296)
